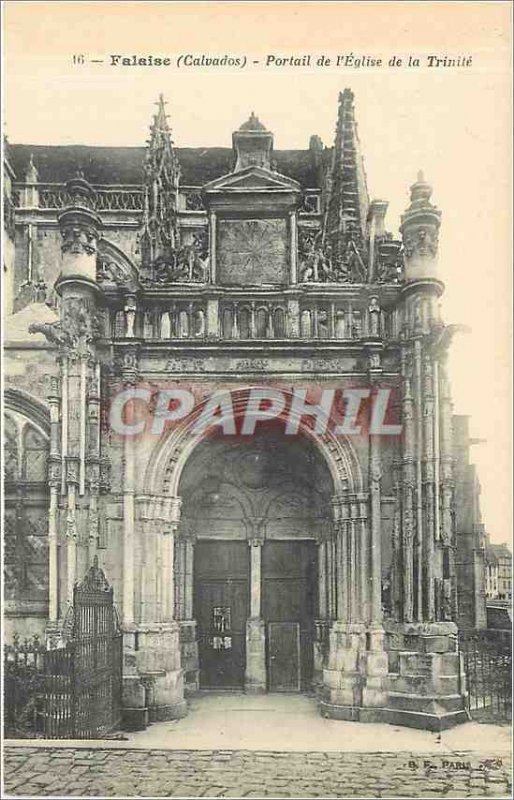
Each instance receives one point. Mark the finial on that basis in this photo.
(253, 123)
(421, 191)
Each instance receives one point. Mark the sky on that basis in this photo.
(453, 123)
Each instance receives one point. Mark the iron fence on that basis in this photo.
(73, 691)
(487, 657)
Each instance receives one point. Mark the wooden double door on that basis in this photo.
(288, 607)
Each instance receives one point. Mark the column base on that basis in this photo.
(255, 674)
(134, 719)
(409, 719)
(189, 656)
(153, 683)
(403, 673)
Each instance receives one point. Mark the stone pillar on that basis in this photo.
(425, 685)
(293, 318)
(184, 562)
(80, 229)
(428, 484)
(128, 530)
(407, 503)
(364, 564)
(418, 410)
(154, 684)
(212, 247)
(54, 482)
(213, 322)
(255, 672)
(293, 246)
(447, 491)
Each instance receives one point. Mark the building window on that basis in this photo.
(26, 511)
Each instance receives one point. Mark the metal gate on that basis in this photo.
(74, 691)
(98, 645)
(487, 657)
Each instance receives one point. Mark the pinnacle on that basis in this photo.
(253, 123)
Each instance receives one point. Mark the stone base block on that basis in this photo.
(335, 711)
(134, 719)
(410, 719)
(163, 713)
(424, 721)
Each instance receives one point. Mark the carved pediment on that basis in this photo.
(252, 178)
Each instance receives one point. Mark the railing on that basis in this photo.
(108, 198)
(38, 696)
(130, 198)
(487, 657)
(254, 319)
(250, 319)
(73, 691)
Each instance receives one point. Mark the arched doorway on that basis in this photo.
(252, 512)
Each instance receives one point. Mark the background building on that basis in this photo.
(498, 570)
(274, 563)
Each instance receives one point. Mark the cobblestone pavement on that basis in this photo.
(93, 772)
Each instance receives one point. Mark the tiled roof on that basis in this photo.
(123, 165)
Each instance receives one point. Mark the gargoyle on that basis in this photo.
(52, 332)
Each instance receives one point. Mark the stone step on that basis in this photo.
(433, 704)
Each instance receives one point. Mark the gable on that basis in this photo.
(253, 178)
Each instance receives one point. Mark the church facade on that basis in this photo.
(252, 560)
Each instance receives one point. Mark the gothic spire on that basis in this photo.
(347, 202)
(160, 234)
(161, 157)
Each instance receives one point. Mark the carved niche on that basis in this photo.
(252, 251)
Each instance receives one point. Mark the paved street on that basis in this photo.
(266, 746)
(90, 772)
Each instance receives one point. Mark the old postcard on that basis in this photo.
(257, 399)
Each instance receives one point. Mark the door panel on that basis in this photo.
(221, 609)
(289, 582)
(284, 657)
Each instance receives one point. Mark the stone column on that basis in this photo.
(375, 476)
(212, 247)
(407, 504)
(213, 322)
(364, 552)
(293, 318)
(255, 673)
(152, 644)
(54, 482)
(71, 526)
(418, 410)
(428, 480)
(293, 246)
(172, 518)
(447, 488)
(322, 578)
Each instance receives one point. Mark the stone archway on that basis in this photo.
(164, 479)
(255, 513)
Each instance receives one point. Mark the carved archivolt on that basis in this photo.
(172, 452)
